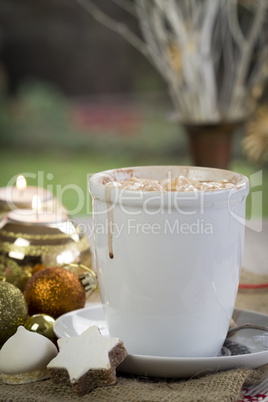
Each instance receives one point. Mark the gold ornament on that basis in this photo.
(54, 291)
(25, 248)
(13, 272)
(38, 267)
(42, 324)
(13, 310)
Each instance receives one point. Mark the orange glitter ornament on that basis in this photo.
(54, 291)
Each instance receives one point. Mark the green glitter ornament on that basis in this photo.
(13, 310)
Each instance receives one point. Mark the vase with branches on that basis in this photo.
(213, 56)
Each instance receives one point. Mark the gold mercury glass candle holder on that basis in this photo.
(30, 241)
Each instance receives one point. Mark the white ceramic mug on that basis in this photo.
(168, 263)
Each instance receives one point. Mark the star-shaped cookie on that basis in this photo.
(87, 361)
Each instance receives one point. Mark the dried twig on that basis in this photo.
(246, 54)
(127, 6)
(114, 25)
(205, 50)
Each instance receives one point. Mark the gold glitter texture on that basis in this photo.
(13, 310)
(54, 291)
(13, 272)
(38, 250)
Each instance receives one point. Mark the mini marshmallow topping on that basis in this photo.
(179, 183)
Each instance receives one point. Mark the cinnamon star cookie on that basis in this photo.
(87, 361)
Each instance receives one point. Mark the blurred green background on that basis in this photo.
(75, 99)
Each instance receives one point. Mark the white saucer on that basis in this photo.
(75, 322)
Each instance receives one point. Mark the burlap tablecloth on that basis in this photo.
(217, 387)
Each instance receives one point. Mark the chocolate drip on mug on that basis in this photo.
(110, 220)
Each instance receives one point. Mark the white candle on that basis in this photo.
(22, 195)
(30, 216)
(36, 215)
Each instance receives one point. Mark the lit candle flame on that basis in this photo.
(21, 183)
(36, 203)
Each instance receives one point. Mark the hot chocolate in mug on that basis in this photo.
(168, 247)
